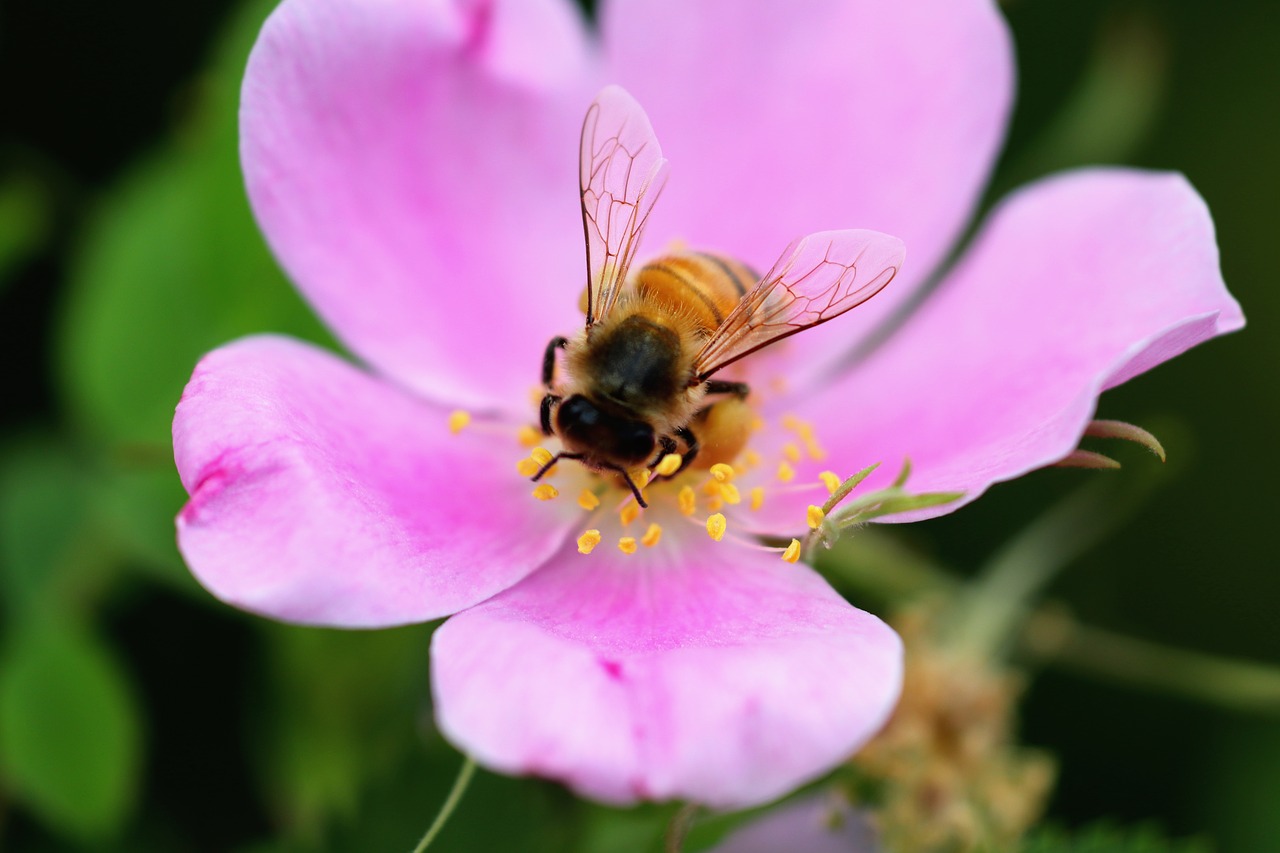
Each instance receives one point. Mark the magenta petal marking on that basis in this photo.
(1075, 284)
(322, 495)
(712, 673)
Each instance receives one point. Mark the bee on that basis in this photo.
(641, 377)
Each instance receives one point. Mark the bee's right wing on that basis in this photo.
(817, 279)
(621, 174)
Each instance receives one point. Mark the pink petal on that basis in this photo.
(1075, 284)
(325, 496)
(413, 167)
(782, 119)
(815, 823)
(712, 673)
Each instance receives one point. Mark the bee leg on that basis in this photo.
(548, 402)
(554, 459)
(549, 360)
(737, 389)
(626, 475)
(691, 447)
(667, 445)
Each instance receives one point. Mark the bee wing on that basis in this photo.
(621, 174)
(817, 279)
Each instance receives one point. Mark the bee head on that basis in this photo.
(603, 436)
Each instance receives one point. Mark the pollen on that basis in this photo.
(540, 455)
(715, 503)
(791, 451)
(588, 500)
(669, 465)
(458, 421)
(792, 554)
(528, 466)
(757, 497)
(814, 449)
(687, 500)
(640, 477)
(814, 516)
(651, 536)
(757, 424)
(730, 493)
(752, 459)
(722, 472)
(545, 492)
(627, 544)
(529, 436)
(785, 472)
(716, 526)
(588, 541)
(629, 513)
(831, 480)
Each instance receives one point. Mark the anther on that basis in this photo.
(545, 492)
(730, 493)
(458, 421)
(668, 465)
(814, 516)
(588, 541)
(687, 500)
(752, 459)
(529, 436)
(790, 451)
(792, 554)
(715, 503)
(651, 536)
(785, 472)
(757, 497)
(627, 544)
(540, 455)
(588, 500)
(629, 513)
(722, 472)
(528, 466)
(716, 525)
(831, 480)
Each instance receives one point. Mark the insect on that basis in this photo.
(641, 377)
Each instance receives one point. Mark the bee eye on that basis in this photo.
(635, 441)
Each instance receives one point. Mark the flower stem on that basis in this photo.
(467, 770)
(679, 827)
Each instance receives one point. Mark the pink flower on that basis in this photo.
(413, 165)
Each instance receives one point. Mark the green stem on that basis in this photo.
(451, 802)
(1055, 638)
(679, 827)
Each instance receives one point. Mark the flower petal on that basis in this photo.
(782, 119)
(413, 165)
(712, 673)
(1075, 284)
(322, 495)
(815, 823)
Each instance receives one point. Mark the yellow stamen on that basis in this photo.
(627, 544)
(752, 459)
(722, 472)
(716, 526)
(792, 554)
(711, 487)
(629, 513)
(831, 480)
(541, 455)
(785, 472)
(688, 500)
(588, 541)
(815, 450)
(641, 477)
(757, 497)
(651, 536)
(528, 466)
(545, 492)
(790, 451)
(669, 465)
(588, 500)
(730, 493)
(458, 421)
(757, 424)
(814, 516)
(791, 422)
(714, 503)
(529, 436)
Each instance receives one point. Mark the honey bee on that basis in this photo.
(640, 378)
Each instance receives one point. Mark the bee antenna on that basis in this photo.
(554, 459)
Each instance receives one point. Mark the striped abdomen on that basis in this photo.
(704, 286)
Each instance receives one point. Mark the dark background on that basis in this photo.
(104, 103)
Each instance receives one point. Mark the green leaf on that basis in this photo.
(26, 218)
(1106, 838)
(172, 266)
(69, 736)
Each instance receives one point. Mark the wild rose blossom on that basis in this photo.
(413, 166)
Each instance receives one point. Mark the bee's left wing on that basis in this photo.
(621, 174)
(817, 279)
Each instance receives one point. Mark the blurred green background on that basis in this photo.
(136, 713)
